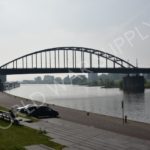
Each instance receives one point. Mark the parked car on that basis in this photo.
(27, 108)
(38, 111)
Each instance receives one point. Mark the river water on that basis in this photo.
(92, 99)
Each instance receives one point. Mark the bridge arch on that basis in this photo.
(67, 57)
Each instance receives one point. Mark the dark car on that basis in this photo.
(43, 112)
(39, 111)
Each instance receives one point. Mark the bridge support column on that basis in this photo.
(2, 81)
(133, 84)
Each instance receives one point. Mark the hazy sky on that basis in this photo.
(120, 27)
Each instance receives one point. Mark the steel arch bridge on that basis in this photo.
(69, 60)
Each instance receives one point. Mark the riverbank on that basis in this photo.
(132, 128)
(24, 136)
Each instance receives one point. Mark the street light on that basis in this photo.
(122, 106)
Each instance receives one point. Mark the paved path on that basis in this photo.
(80, 137)
(38, 147)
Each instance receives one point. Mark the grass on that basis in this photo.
(3, 108)
(16, 137)
(147, 85)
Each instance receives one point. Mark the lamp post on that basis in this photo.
(122, 106)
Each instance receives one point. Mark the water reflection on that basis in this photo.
(134, 102)
(135, 98)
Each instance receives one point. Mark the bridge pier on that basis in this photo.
(2, 81)
(133, 84)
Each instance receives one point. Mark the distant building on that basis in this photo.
(92, 77)
(48, 79)
(38, 80)
(58, 80)
(67, 80)
(79, 79)
(28, 82)
(3, 78)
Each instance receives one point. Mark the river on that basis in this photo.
(92, 99)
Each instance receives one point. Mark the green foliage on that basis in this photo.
(79, 80)
(147, 84)
(3, 108)
(16, 137)
(108, 81)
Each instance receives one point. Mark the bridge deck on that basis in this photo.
(74, 70)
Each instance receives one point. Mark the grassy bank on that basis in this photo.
(147, 84)
(16, 137)
(3, 108)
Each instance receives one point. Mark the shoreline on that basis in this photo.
(51, 105)
(109, 123)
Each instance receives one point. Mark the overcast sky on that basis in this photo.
(120, 27)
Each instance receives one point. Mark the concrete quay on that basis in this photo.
(81, 137)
